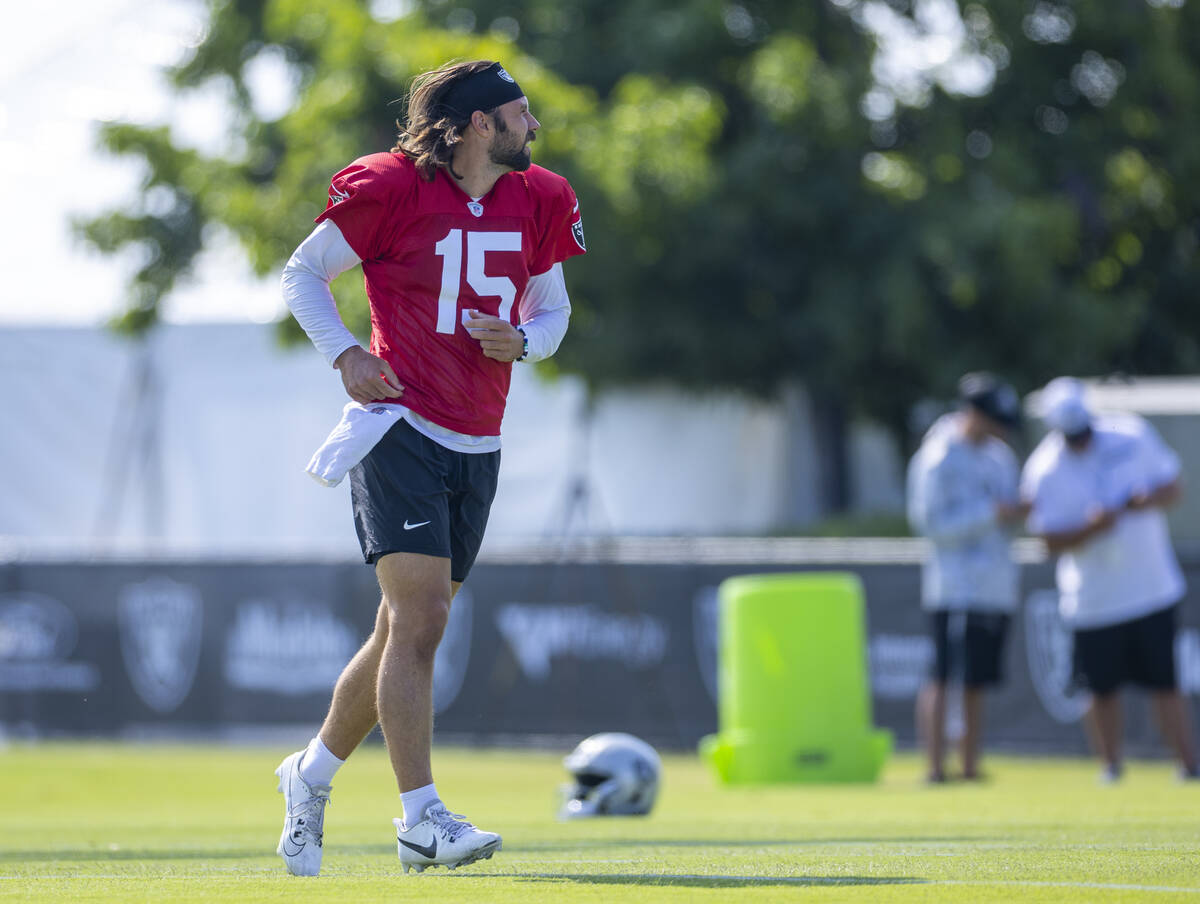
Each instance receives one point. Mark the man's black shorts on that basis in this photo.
(411, 494)
(968, 646)
(1141, 651)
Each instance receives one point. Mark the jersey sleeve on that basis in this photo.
(1162, 462)
(359, 206)
(561, 233)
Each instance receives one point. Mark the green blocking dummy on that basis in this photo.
(794, 702)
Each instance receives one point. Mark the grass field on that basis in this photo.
(93, 822)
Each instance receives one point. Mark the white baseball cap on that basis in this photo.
(1063, 407)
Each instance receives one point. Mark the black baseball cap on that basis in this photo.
(991, 396)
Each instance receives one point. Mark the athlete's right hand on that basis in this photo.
(367, 377)
(1101, 520)
(1009, 512)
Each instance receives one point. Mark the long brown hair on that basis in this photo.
(432, 129)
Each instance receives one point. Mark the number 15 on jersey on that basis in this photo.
(478, 244)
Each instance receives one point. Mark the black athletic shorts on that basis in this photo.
(1141, 651)
(411, 494)
(968, 646)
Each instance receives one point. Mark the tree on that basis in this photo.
(768, 199)
(1058, 208)
(269, 189)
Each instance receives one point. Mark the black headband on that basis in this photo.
(484, 90)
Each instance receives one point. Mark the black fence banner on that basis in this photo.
(535, 650)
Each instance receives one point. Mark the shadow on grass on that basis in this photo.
(593, 843)
(688, 880)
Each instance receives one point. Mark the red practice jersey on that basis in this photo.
(429, 253)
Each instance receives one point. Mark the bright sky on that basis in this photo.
(79, 61)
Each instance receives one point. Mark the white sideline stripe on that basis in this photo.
(542, 861)
(685, 877)
(1104, 886)
(876, 880)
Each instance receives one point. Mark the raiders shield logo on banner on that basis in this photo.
(160, 624)
(1049, 649)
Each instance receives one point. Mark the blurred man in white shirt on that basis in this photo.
(1098, 487)
(962, 496)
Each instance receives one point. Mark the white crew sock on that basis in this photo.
(416, 802)
(318, 765)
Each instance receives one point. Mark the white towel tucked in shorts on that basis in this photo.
(356, 434)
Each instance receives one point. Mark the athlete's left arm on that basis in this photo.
(1162, 496)
(545, 311)
(1163, 485)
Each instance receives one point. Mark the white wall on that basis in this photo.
(667, 462)
(877, 472)
(240, 417)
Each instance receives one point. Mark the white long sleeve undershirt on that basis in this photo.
(544, 309)
(321, 257)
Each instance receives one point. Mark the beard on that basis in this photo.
(511, 151)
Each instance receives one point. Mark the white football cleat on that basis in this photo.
(304, 819)
(444, 839)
